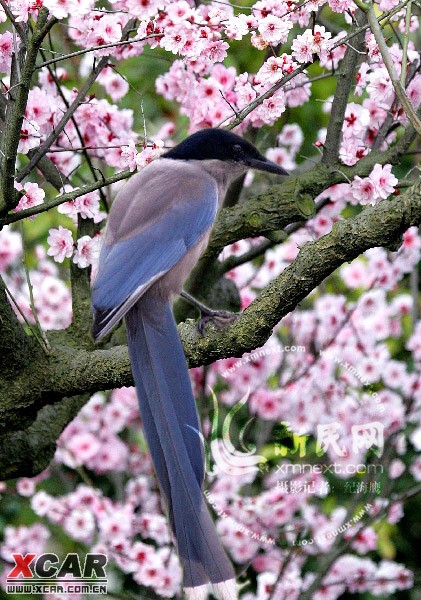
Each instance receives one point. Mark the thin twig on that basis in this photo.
(258, 101)
(388, 63)
(337, 551)
(19, 29)
(389, 123)
(80, 98)
(18, 308)
(285, 564)
(344, 85)
(58, 129)
(405, 42)
(15, 114)
(46, 343)
(86, 50)
(76, 126)
(414, 284)
(91, 187)
(82, 148)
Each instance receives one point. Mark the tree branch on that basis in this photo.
(38, 441)
(58, 129)
(51, 172)
(19, 29)
(13, 339)
(380, 225)
(275, 209)
(91, 187)
(86, 50)
(80, 329)
(399, 89)
(345, 81)
(233, 262)
(76, 126)
(272, 213)
(14, 117)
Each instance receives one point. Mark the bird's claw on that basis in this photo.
(220, 318)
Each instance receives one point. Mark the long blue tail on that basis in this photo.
(171, 427)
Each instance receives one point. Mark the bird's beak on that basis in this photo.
(263, 164)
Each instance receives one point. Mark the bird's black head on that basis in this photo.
(219, 144)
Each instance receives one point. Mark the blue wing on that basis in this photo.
(128, 267)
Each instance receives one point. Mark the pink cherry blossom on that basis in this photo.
(215, 51)
(115, 85)
(302, 47)
(281, 157)
(340, 6)
(86, 253)
(380, 87)
(383, 180)
(365, 541)
(361, 78)
(390, 577)
(415, 468)
(80, 524)
(10, 248)
(129, 154)
(23, 9)
(356, 120)
(271, 71)
(112, 455)
(60, 9)
(175, 38)
(274, 30)
(364, 190)
(147, 155)
(25, 486)
(83, 446)
(6, 51)
(266, 404)
(236, 27)
(87, 206)
(272, 107)
(41, 503)
(292, 136)
(33, 196)
(145, 9)
(29, 136)
(310, 43)
(61, 243)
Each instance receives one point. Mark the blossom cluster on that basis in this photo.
(208, 92)
(51, 296)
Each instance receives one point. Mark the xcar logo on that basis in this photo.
(45, 574)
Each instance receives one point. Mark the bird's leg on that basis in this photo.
(220, 318)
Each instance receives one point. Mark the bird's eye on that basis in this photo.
(238, 152)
